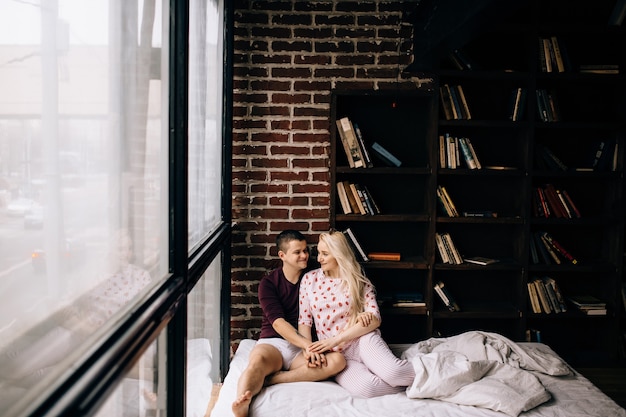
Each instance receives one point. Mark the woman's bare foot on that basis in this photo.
(241, 405)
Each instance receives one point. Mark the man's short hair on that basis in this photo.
(286, 236)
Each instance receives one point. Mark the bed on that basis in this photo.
(566, 395)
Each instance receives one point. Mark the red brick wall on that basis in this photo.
(288, 57)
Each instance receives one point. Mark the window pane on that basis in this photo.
(143, 391)
(205, 123)
(83, 194)
(203, 339)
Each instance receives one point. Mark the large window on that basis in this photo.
(86, 206)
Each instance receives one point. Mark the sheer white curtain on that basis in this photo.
(206, 65)
(83, 183)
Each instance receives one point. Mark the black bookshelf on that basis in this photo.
(510, 149)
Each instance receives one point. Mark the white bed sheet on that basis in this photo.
(572, 396)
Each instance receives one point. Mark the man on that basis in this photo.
(280, 351)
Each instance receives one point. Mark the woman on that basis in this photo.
(341, 302)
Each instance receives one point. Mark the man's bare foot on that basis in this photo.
(241, 405)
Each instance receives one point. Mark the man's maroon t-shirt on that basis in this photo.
(279, 299)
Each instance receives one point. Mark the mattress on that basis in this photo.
(571, 396)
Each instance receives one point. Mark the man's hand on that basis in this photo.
(314, 359)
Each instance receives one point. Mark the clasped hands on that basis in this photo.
(315, 352)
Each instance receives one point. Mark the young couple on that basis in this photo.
(340, 301)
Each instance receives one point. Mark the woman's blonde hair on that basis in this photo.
(349, 270)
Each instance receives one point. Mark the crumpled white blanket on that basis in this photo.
(481, 369)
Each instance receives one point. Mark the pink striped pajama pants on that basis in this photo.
(372, 369)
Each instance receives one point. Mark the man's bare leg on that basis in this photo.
(264, 360)
(301, 371)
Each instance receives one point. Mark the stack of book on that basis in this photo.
(549, 201)
(446, 297)
(545, 296)
(453, 151)
(454, 103)
(408, 299)
(447, 250)
(357, 152)
(356, 199)
(552, 55)
(547, 106)
(588, 304)
(544, 248)
(445, 202)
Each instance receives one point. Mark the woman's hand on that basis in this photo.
(322, 346)
(314, 359)
(365, 318)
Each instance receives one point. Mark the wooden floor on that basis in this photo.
(612, 381)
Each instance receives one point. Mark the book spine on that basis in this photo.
(444, 99)
(466, 111)
(467, 156)
(352, 238)
(343, 198)
(442, 152)
(550, 250)
(473, 152)
(454, 211)
(386, 154)
(554, 244)
(571, 204)
(357, 198)
(351, 198)
(543, 296)
(442, 249)
(366, 155)
(353, 145)
(456, 256)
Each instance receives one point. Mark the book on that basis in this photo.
(558, 248)
(468, 157)
(543, 296)
(457, 109)
(357, 198)
(560, 300)
(385, 155)
(356, 246)
(518, 104)
(366, 155)
(343, 198)
(441, 248)
(453, 252)
(365, 200)
(480, 260)
(479, 213)
(556, 50)
(442, 152)
(446, 297)
(446, 202)
(473, 152)
(447, 100)
(351, 197)
(350, 143)
(446, 103)
(586, 301)
(533, 297)
(384, 256)
(370, 200)
(464, 106)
